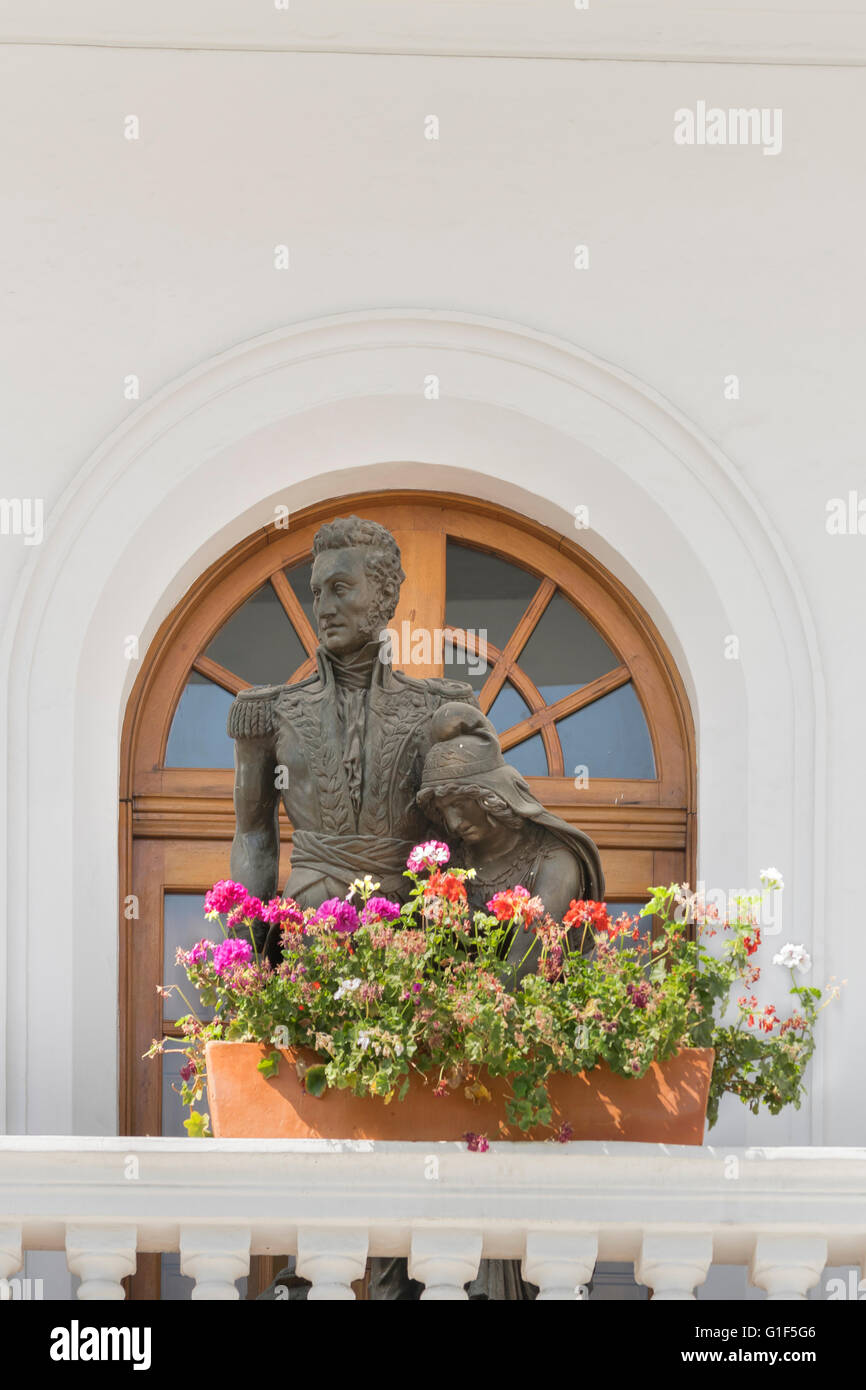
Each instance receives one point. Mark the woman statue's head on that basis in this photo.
(466, 781)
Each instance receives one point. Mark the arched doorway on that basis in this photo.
(568, 666)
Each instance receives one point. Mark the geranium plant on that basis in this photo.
(377, 990)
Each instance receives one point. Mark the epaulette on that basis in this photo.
(449, 689)
(252, 712)
(441, 686)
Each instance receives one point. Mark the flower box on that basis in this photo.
(666, 1105)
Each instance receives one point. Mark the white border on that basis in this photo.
(655, 31)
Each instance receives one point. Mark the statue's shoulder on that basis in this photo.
(252, 712)
(255, 712)
(442, 688)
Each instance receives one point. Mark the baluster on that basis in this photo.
(559, 1263)
(787, 1266)
(101, 1256)
(443, 1261)
(215, 1257)
(11, 1257)
(672, 1265)
(331, 1259)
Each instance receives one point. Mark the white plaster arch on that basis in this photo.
(336, 406)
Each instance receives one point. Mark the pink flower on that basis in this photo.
(224, 896)
(187, 1072)
(427, 855)
(231, 952)
(282, 910)
(380, 910)
(345, 915)
(199, 952)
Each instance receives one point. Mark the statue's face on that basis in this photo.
(343, 599)
(465, 819)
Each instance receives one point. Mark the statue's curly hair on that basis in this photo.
(430, 798)
(381, 560)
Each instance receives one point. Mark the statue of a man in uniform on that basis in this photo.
(345, 748)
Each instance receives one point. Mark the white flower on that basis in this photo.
(363, 1041)
(347, 986)
(363, 885)
(795, 957)
(772, 878)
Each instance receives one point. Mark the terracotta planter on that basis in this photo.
(667, 1105)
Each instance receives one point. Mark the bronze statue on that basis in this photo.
(344, 748)
(496, 826)
(363, 757)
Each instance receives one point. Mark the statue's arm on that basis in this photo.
(256, 844)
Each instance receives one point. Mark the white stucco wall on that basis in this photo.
(155, 257)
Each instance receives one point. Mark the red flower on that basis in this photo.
(446, 886)
(587, 913)
(516, 904)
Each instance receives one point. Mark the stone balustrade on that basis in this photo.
(786, 1214)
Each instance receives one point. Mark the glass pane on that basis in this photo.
(609, 737)
(299, 577)
(183, 925)
(564, 651)
(258, 643)
(457, 667)
(528, 757)
(174, 1112)
(174, 1287)
(508, 708)
(644, 924)
(198, 737)
(485, 593)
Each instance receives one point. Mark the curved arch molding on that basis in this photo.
(333, 407)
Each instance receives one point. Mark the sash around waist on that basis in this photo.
(354, 855)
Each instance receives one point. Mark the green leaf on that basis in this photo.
(198, 1126)
(270, 1065)
(315, 1081)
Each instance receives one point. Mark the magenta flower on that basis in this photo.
(380, 910)
(345, 916)
(224, 896)
(639, 994)
(231, 952)
(428, 855)
(476, 1143)
(282, 910)
(188, 1072)
(199, 952)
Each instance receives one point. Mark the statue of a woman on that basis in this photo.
(495, 825)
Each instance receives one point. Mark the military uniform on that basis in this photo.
(352, 742)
